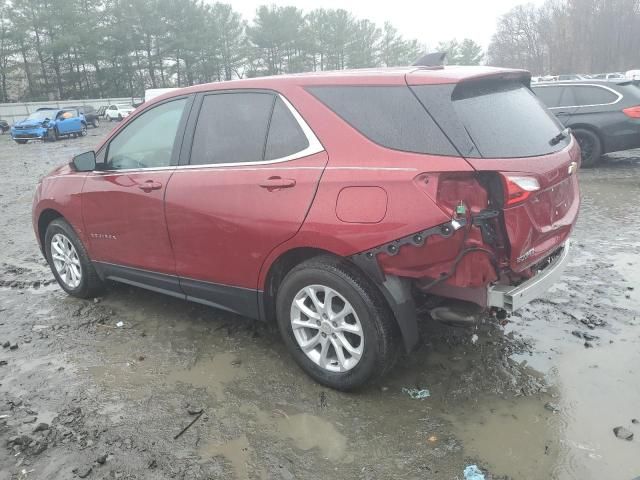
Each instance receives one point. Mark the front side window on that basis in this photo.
(232, 128)
(148, 141)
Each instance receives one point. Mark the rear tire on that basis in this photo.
(95, 123)
(590, 146)
(69, 261)
(341, 351)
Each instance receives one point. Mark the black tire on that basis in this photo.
(95, 123)
(90, 283)
(379, 328)
(21, 142)
(590, 145)
(110, 118)
(119, 117)
(51, 135)
(83, 131)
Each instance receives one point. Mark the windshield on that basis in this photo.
(42, 115)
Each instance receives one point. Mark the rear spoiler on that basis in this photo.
(521, 76)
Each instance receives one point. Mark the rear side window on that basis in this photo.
(505, 119)
(232, 128)
(592, 95)
(285, 135)
(550, 96)
(390, 116)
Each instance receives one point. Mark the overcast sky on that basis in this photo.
(429, 21)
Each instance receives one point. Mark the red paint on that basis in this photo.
(228, 225)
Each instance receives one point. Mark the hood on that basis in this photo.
(30, 123)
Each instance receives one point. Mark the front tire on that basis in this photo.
(590, 146)
(336, 323)
(69, 261)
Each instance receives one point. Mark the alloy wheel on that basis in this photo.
(326, 328)
(66, 261)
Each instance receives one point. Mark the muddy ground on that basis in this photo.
(82, 397)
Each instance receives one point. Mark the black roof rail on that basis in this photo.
(435, 59)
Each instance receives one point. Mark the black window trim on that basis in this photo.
(103, 152)
(618, 94)
(315, 146)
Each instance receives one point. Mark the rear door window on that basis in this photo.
(232, 128)
(592, 95)
(505, 119)
(390, 116)
(550, 96)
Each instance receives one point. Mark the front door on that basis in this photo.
(254, 167)
(68, 122)
(123, 201)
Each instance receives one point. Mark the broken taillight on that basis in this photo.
(632, 112)
(518, 188)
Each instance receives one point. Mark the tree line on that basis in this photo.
(569, 36)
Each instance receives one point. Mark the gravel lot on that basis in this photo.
(537, 398)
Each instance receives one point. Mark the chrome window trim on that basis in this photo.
(619, 95)
(314, 147)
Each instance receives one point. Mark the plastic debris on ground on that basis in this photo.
(120, 324)
(417, 393)
(472, 472)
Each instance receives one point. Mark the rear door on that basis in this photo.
(252, 169)
(503, 130)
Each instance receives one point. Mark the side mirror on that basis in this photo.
(85, 162)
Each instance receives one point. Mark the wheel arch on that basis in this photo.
(593, 129)
(47, 216)
(395, 291)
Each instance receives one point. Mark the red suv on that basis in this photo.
(337, 204)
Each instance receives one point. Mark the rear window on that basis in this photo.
(285, 136)
(505, 119)
(390, 116)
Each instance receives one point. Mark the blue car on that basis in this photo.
(50, 124)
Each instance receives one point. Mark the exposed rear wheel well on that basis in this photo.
(46, 217)
(279, 270)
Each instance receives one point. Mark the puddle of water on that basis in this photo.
(308, 432)
(236, 451)
(599, 391)
(211, 373)
(518, 437)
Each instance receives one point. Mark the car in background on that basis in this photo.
(632, 75)
(609, 76)
(570, 76)
(118, 111)
(4, 126)
(90, 114)
(49, 124)
(604, 116)
(101, 111)
(336, 204)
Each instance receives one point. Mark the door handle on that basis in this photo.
(276, 183)
(150, 185)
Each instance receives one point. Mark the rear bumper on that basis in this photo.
(512, 298)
